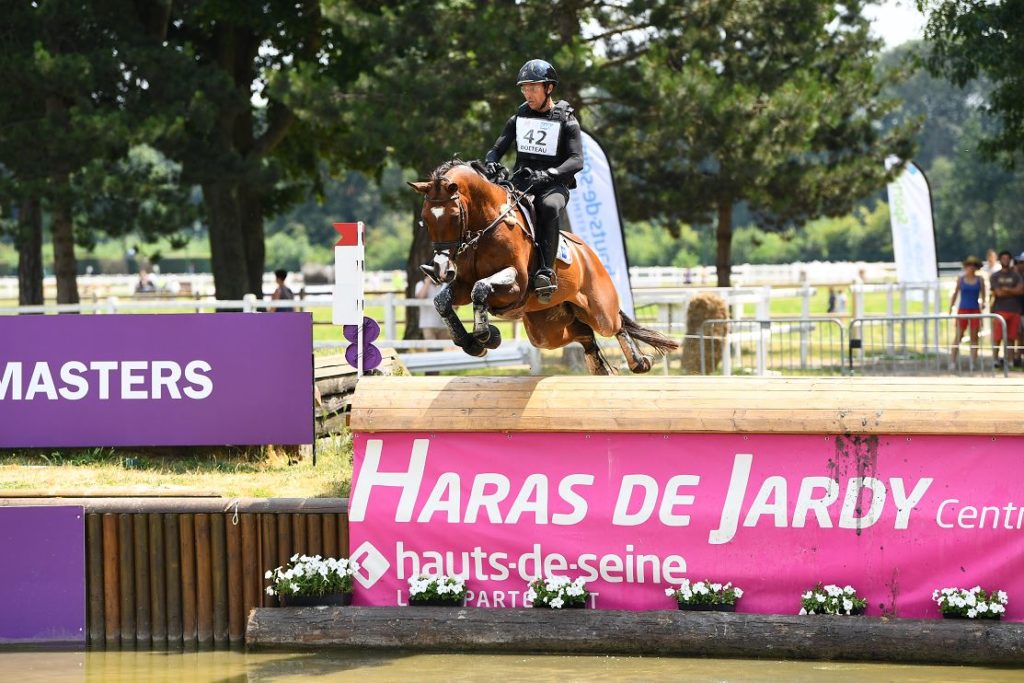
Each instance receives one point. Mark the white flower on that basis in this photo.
(270, 590)
(803, 611)
(738, 592)
(1003, 597)
(982, 607)
(717, 587)
(294, 558)
(847, 605)
(531, 595)
(557, 603)
(268, 575)
(972, 600)
(670, 592)
(935, 595)
(997, 609)
(848, 589)
(819, 597)
(807, 595)
(971, 613)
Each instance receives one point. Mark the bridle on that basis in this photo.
(461, 244)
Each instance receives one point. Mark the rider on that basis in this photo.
(549, 153)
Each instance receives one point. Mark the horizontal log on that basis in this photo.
(851, 405)
(653, 633)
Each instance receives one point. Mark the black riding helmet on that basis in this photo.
(537, 71)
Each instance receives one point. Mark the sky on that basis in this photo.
(896, 21)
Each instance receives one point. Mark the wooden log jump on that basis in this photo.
(654, 633)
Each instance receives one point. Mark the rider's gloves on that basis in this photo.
(541, 177)
(492, 168)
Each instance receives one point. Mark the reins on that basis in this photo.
(460, 245)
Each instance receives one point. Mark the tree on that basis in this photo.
(63, 83)
(972, 38)
(772, 103)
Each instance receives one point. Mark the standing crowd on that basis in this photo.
(998, 286)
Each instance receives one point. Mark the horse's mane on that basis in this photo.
(439, 172)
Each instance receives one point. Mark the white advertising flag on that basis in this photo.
(594, 214)
(913, 231)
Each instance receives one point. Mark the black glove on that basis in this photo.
(492, 169)
(540, 177)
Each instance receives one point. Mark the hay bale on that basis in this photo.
(704, 306)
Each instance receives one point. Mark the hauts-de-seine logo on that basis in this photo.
(372, 564)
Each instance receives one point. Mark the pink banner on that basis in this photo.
(894, 516)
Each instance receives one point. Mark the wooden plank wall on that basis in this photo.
(173, 580)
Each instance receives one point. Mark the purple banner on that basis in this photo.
(42, 575)
(156, 380)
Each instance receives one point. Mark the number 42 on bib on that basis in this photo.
(538, 136)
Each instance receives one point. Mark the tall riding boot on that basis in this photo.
(545, 283)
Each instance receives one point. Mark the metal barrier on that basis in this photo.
(923, 345)
(791, 345)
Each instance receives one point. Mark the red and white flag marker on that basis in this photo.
(349, 298)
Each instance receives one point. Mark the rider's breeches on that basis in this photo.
(549, 207)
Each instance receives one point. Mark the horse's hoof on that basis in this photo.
(493, 340)
(482, 333)
(643, 365)
(475, 348)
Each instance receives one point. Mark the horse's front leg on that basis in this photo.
(487, 334)
(443, 302)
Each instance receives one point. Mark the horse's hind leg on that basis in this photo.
(484, 333)
(596, 362)
(638, 362)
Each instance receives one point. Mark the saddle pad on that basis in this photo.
(564, 250)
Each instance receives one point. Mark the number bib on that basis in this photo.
(538, 136)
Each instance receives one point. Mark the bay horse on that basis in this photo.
(485, 254)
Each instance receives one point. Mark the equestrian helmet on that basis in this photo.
(537, 71)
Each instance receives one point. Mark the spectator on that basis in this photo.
(831, 300)
(431, 324)
(970, 288)
(283, 291)
(145, 283)
(1007, 288)
(991, 263)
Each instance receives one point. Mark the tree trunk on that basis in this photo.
(29, 243)
(420, 252)
(250, 209)
(723, 234)
(227, 246)
(65, 267)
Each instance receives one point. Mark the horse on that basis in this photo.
(484, 253)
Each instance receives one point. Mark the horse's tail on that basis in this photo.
(659, 342)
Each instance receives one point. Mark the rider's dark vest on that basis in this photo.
(541, 139)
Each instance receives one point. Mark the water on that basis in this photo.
(240, 667)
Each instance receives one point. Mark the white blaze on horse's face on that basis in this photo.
(438, 211)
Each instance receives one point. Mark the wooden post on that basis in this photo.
(268, 550)
(204, 583)
(126, 573)
(242, 563)
(157, 581)
(284, 539)
(219, 566)
(188, 580)
(172, 578)
(314, 535)
(330, 531)
(299, 544)
(343, 534)
(140, 543)
(94, 580)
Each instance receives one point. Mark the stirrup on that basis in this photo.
(544, 285)
(430, 270)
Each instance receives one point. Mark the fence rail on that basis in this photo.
(886, 345)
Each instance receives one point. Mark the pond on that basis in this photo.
(238, 667)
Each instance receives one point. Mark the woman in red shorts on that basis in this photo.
(971, 290)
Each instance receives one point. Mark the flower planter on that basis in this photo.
(707, 608)
(967, 618)
(437, 602)
(334, 600)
